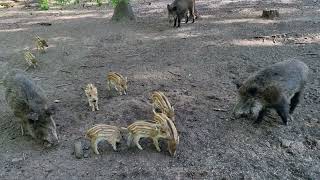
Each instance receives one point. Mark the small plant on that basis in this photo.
(99, 2)
(44, 4)
(114, 3)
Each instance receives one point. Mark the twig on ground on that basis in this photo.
(218, 109)
(174, 74)
(65, 71)
(61, 85)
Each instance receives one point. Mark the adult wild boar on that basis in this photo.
(30, 105)
(278, 86)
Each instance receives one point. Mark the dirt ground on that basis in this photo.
(194, 65)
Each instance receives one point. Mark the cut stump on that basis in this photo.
(270, 14)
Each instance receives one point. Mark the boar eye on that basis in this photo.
(252, 91)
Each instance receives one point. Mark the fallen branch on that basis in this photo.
(174, 74)
(218, 109)
(311, 54)
(61, 85)
(85, 66)
(44, 24)
(300, 43)
(65, 71)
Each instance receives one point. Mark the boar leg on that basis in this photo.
(175, 22)
(191, 13)
(129, 140)
(136, 142)
(94, 146)
(115, 87)
(156, 144)
(108, 85)
(260, 116)
(92, 106)
(294, 102)
(97, 107)
(179, 21)
(114, 146)
(187, 18)
(22, 131)
(283, 110)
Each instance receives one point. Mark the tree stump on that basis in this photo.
(123, 11)
(270, 14)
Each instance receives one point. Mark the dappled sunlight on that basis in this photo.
(158, 76)
(53, 15)
(183, 34)
(13, 30)
(247, 42)
(62, 38)
(308, 39)
(244, 20)
(277, 40)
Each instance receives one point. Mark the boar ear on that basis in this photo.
(253, 91)
(168, 7)
(174, 8)
(33, 116)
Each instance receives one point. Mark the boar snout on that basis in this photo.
(249, 108)
(240, 110)
(52, 137)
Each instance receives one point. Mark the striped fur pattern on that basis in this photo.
(92, 95)
(118, 82)
(30, 59)
(161, 104)
(41, 44)
(143, 129)
(100, 132)
(173, 140)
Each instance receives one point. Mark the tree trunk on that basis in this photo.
(123, 11)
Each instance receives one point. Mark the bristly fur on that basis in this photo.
(41, 44)
(92, 95)
(100, 132)
(29, 103)
(179, 10)
(140, 129)
(118, 82)
(161, 104)
(278, 86)
(30, 59)
(170, 127)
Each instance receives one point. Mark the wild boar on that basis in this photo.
(179, 9)
(30, 104)
(277, 87)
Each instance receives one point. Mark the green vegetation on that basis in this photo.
(114, 3)
(44, 4)
(99, 2)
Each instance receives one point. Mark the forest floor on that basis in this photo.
(194, 65)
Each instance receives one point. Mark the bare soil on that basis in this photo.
(194, 65)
